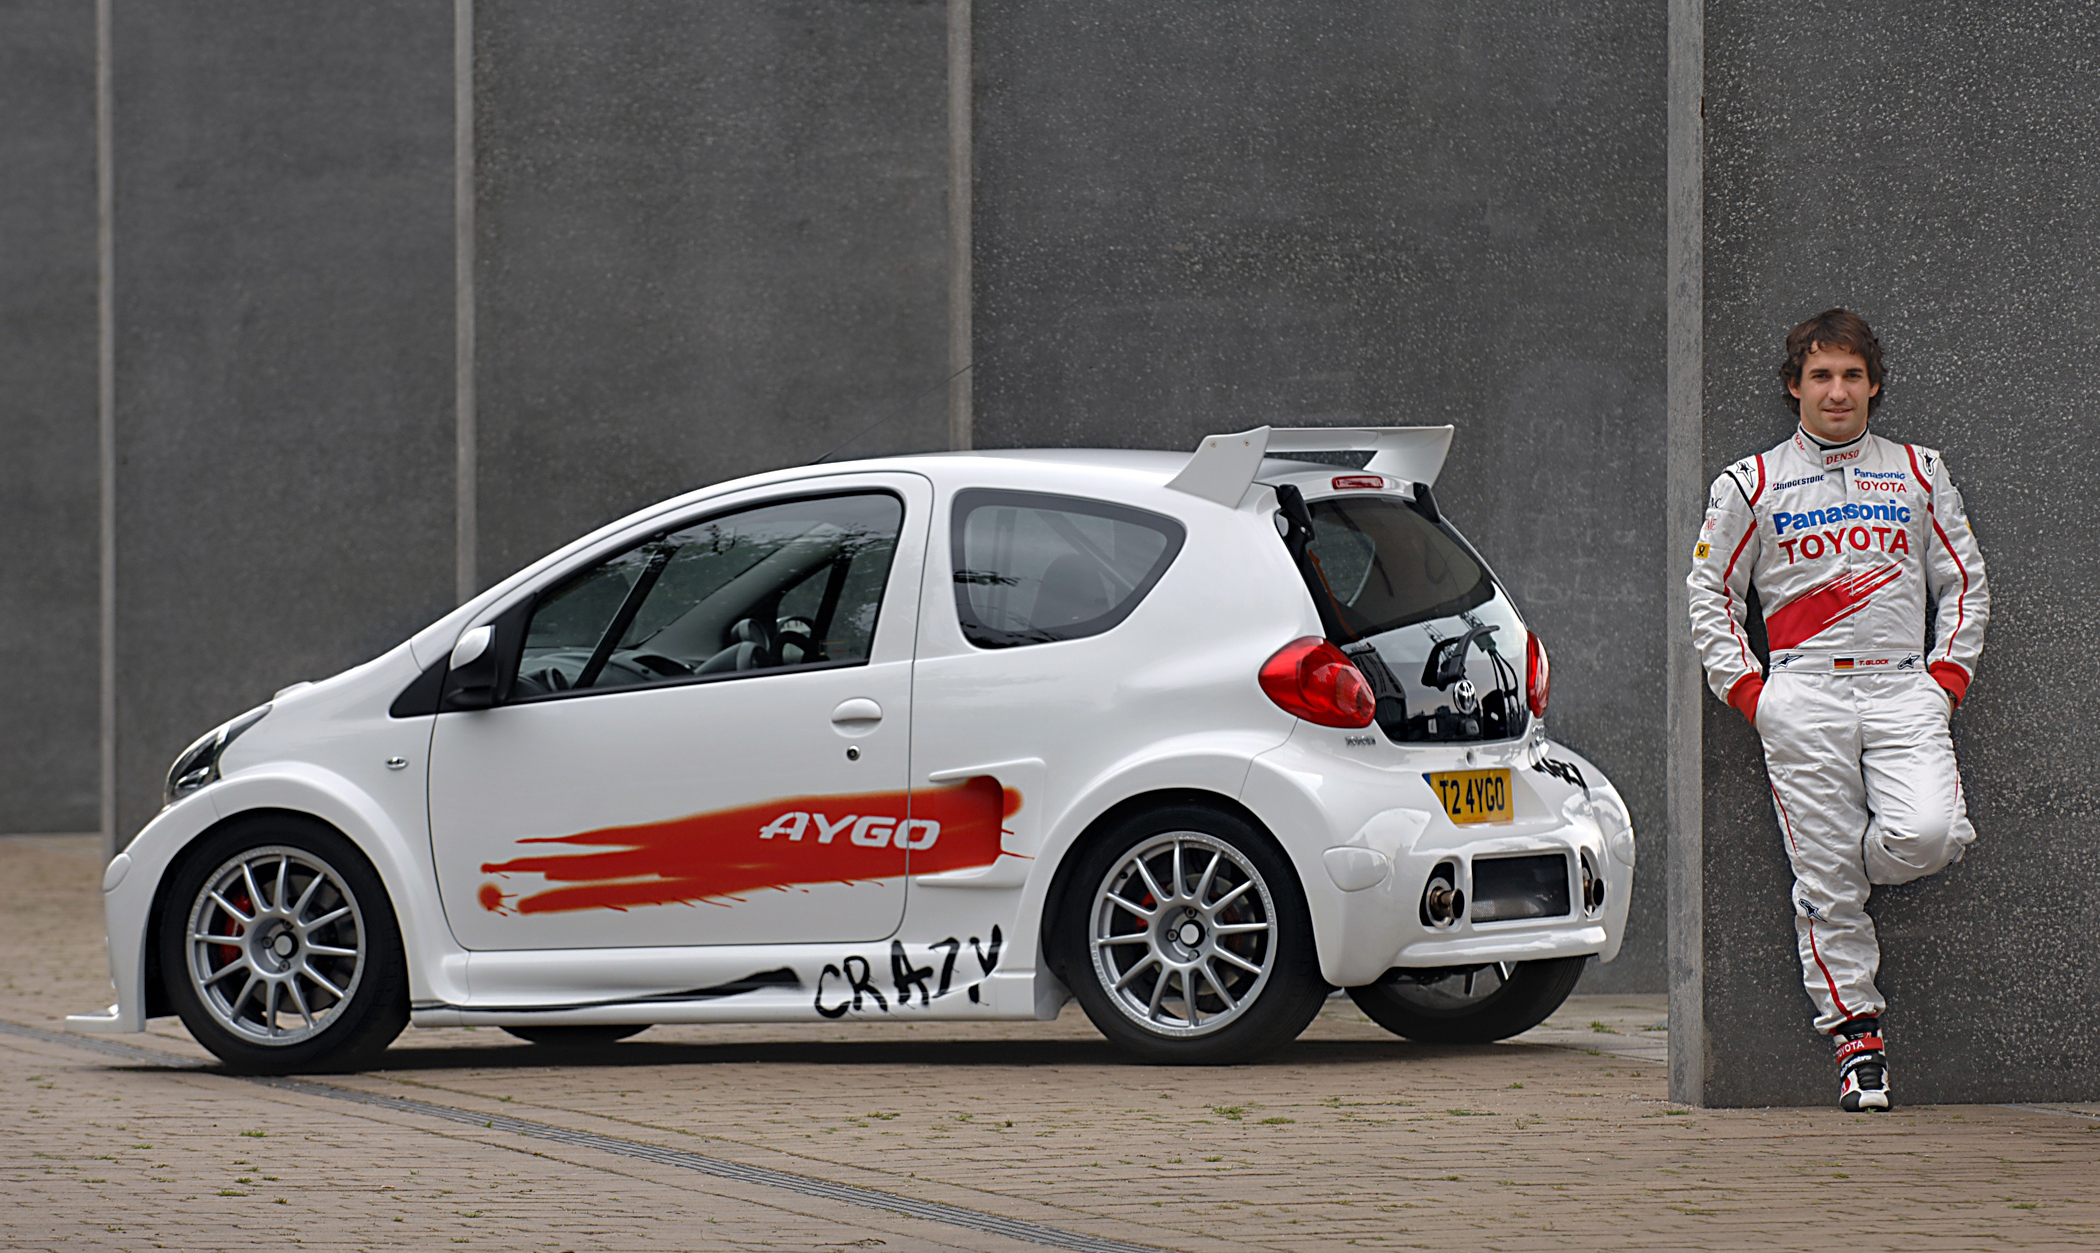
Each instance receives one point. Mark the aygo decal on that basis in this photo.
(778, 844)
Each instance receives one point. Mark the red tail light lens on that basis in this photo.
(1538, 676)
(1313, 679)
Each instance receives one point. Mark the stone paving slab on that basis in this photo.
(1560, 1139)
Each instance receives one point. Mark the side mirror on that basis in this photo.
(471, 680)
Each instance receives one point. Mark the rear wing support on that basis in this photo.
(1223, 466)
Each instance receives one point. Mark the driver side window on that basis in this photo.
(790, 585)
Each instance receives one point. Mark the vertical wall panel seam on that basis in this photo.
(1684, 458)
(465, 462)
(961, 204)
(106, 419)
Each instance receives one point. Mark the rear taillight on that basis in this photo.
(1538, 676)
(1313, 679)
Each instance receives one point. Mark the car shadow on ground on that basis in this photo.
(928, 1053)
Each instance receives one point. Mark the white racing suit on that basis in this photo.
(1845, 546)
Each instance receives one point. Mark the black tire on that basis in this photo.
(322, 874)
(584, 1036)
(1270, 1008)
(1404, 1003)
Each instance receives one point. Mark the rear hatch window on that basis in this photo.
(1424, 620)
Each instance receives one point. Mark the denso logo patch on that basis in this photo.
(1783, 522)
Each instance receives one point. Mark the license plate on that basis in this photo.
(1471, 796)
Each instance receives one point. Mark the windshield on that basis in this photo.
(1423, 619)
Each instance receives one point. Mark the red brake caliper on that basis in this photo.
(230, 952)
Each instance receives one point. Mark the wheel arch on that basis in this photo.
(399, 858)
(1130, 806)
(155, 991)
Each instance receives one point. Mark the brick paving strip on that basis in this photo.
(1561, 1139)
(932, 1211)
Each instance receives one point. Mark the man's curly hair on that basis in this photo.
(1832, 330)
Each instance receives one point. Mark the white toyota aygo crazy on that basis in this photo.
(1191, 740)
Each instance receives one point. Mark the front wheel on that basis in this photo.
(1469, 1004)
(280, 949)
(1185, 938)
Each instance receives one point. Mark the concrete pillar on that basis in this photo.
(1934, 171)
(49, 495)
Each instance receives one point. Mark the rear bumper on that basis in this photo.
(1366, 833)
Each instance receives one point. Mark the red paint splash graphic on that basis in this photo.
(723, 854)
(1825, 605)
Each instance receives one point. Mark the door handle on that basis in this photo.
(857, 716)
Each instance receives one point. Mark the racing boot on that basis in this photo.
(1863, 1069)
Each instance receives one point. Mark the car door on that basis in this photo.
(702, 736)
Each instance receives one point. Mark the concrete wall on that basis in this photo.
(1198, 219)
(283, 354)
(1938, 176)
(710, 241)
(50, 616)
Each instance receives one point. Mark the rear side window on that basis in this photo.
(1031, 569)
(1388, 567)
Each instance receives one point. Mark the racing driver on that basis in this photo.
(1846, 537)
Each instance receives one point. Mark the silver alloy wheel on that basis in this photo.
(1183, 934)
(1453, 991)
(275, 944)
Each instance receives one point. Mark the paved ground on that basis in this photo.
(754, 1137)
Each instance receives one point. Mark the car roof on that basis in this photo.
(1086, 471)
(1161, 479)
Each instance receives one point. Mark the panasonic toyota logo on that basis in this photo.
(1876, 481)
(1784, 522)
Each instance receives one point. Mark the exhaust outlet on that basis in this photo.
(1592, 886)
(1443, 904)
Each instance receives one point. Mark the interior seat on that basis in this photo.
(754, 645)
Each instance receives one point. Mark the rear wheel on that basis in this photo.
(1468, 1004)
(1186, 940)
(280, 950)
(587, 1036)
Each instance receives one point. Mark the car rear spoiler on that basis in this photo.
(1223, 466)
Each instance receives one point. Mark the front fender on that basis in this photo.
(436, 964)
(129, 887)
